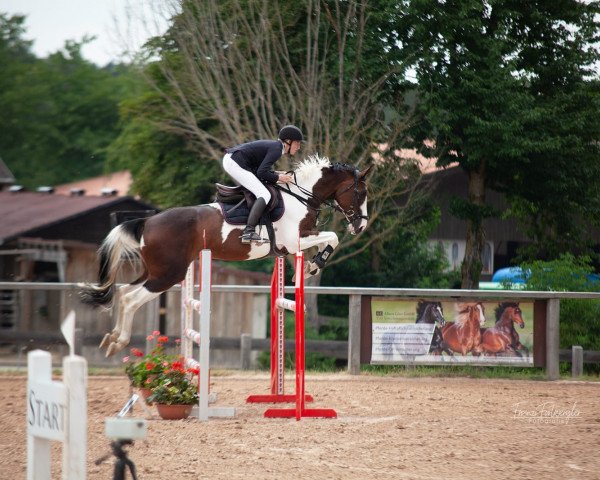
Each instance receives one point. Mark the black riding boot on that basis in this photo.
(256, 212)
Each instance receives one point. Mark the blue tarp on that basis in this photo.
(515, 275)
(509, 274)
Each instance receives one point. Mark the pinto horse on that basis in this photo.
(502, 337)
(164, 245)
(433, 313)
(463, 335)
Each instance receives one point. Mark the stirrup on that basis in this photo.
(249, 237)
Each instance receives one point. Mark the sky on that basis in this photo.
(50, 22)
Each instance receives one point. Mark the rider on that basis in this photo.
(249, 164)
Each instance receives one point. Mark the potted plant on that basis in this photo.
(175, 391)
(143, 369)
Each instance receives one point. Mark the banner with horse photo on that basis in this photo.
(459, 332)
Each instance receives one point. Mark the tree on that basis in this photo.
(507, 91)
(229, 72)
(59, 113)
(233, 71)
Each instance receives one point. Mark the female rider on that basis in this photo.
(249, 164)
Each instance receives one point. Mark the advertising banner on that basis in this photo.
(467, 332)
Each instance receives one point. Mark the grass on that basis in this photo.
(469, 371)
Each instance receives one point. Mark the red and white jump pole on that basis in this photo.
(278, 306)
(201, 337)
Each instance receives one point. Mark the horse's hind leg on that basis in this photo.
(114, 335)
(131, 302)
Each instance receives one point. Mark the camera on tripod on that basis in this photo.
(121, 428)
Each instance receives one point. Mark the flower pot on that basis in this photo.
(173, 412)
(145, 393)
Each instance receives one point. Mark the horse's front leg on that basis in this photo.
(326, 242)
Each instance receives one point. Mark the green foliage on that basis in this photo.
(165, 172)
(143, 369)
(508, 90)
(567, 273)
(59, 113)
(579, 318)
(313, 361)
(175, 386)
(165, 374)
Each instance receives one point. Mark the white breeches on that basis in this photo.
(245, 178)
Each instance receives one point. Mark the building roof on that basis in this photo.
(6, 176)
(120, 182)
(23, 213)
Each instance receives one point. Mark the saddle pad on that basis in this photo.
(235, 214)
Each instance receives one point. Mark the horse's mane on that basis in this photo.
(499, 310)
(463, 311)
(311, 163)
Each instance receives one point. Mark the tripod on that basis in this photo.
(122, 461)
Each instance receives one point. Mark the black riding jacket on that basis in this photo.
(258, 157)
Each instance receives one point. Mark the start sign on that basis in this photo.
(47, 409)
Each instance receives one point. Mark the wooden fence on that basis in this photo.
(548, 303)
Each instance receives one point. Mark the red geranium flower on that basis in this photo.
(149, 365)
(137, 352)
(177, 366)
(163, 339)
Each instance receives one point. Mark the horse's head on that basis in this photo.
(351, 196)
(481, 312)
(430, 312)
(511, 312)
(437, 312)
(474, 312)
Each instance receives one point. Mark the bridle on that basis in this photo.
(351, 215)
(313, 202)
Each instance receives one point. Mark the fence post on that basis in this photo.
(78, 347)
(552, 338)
(576, 361)
(354, 308)
(245, 350)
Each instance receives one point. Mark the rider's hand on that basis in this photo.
(285, 178)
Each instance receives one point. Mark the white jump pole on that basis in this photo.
(200, 336)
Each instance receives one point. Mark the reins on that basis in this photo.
(350, 216)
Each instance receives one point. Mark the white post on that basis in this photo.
(75, 446)
(187, 312)
(39, 371)
(56, 411)
(205, 290)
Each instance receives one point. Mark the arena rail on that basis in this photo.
(355, 294)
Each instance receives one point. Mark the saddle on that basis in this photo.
(236, 202)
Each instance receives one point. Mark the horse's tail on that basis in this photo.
(122, 244)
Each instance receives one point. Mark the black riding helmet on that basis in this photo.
(290, 132)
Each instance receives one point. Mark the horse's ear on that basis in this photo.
(362, 175)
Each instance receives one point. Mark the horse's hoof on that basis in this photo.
(114, 347)
(105, 341)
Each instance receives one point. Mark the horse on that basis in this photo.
(463, 335)
(502, 337)
(164, 245)
(433, 313)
